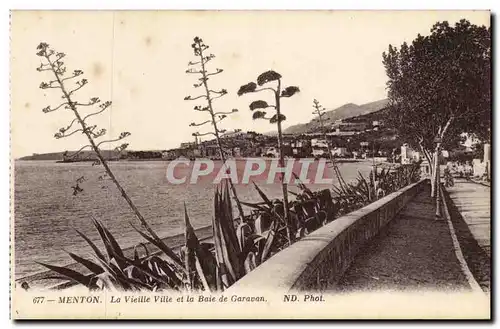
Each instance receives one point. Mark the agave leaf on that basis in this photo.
(149, 272)
(105, 266)
(114, 247)
(114, 264)
(337, 190)
(269, 242)
(69, 273)
(228, 221)
(133, 273)
(104, 281)
(220, 222)
(229, 240)
(241, 234)
(114, 270)
(117, 250)
(161, 268)
(251, 244)
(136, 253)
(162, 246)
(191, 245)
(263, 195)
(93, 267)
(92, 245)
(220, 276)
(201, 274)
(56, 277)
(226, 255)
(165, 268)
(104, 238)
(254, 205)
(215, 228)
(208, 264)
(219, 254)
(250, 263)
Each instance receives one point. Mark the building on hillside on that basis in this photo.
(320, 152)
(171, 154)
(342, 126)
(186, 145)
(300, 148)
(343, 133)
(408, 155)
(271, 152)
(209, 150)
(316, 142)
(139, 155)
(425, 168)
(236, 134)
(482, 167)
(340, 152)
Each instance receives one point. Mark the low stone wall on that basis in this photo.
(321, 258)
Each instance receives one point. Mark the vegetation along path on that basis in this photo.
(413, 252)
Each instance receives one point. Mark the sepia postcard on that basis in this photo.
(250, 164)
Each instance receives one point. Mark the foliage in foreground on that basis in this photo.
(237, 246)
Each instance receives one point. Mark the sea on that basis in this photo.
(47, 214)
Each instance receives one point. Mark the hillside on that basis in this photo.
(56, 156)
(344, 112)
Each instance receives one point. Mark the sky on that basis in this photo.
(138, 59)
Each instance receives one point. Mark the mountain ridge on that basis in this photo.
(346, 111)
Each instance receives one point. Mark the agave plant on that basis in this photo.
(199, 261)
(112, 270)
(238, 249)
(309, 211)
(363, 191)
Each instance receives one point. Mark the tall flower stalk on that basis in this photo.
(209, 95)
(320, 111)
(68, 84)
(277, 118)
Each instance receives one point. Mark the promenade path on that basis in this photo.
(473, 201)
(470, 210)
(413, 252)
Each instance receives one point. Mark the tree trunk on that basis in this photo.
(435, 172)
(433, 175)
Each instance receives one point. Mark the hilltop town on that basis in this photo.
(352, 132)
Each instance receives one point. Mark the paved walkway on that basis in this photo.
(473, 201)
(413, 252)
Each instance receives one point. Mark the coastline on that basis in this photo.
(337, 160)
